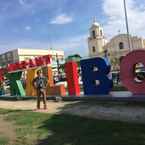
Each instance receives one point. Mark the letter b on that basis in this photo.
(94, 76)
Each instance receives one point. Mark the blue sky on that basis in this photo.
(64, 24)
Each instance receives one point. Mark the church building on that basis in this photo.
(117, 47)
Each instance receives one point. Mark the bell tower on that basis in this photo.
(96, 40)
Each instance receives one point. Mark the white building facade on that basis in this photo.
(21, 54)
(118, 46)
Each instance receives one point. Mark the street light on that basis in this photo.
(127, 26)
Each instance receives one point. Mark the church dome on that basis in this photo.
(95, 24)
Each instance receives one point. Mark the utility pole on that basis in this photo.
(127, 26)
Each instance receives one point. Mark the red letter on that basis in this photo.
(2, 71)
(23, 64)
(46, 59)
(127, 71)
(31, 63)
(72, 78)
(11, 67)
(39, 61)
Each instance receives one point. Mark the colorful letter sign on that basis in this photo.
(71, 70)
(16, 87)
(2, 71)
(51, 88)
(94, 76)
(127, 71)
(38, 61)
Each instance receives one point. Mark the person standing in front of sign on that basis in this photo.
(40, 84)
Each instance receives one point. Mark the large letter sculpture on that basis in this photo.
(94, 76)
(51, 88)
(127, 71)
(16, 86)
(71, 70)
(2, 72)
(31, 74)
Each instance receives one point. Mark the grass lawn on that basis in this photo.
(45, 129)
(3, 140)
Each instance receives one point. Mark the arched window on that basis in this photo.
(121, 45)
(94, 34)
(93, 49)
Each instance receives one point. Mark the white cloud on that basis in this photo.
(22, 2)
(61, 19)
(28, 28)
(114, 11)
(73, 45)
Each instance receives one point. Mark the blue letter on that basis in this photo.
(94, 76)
